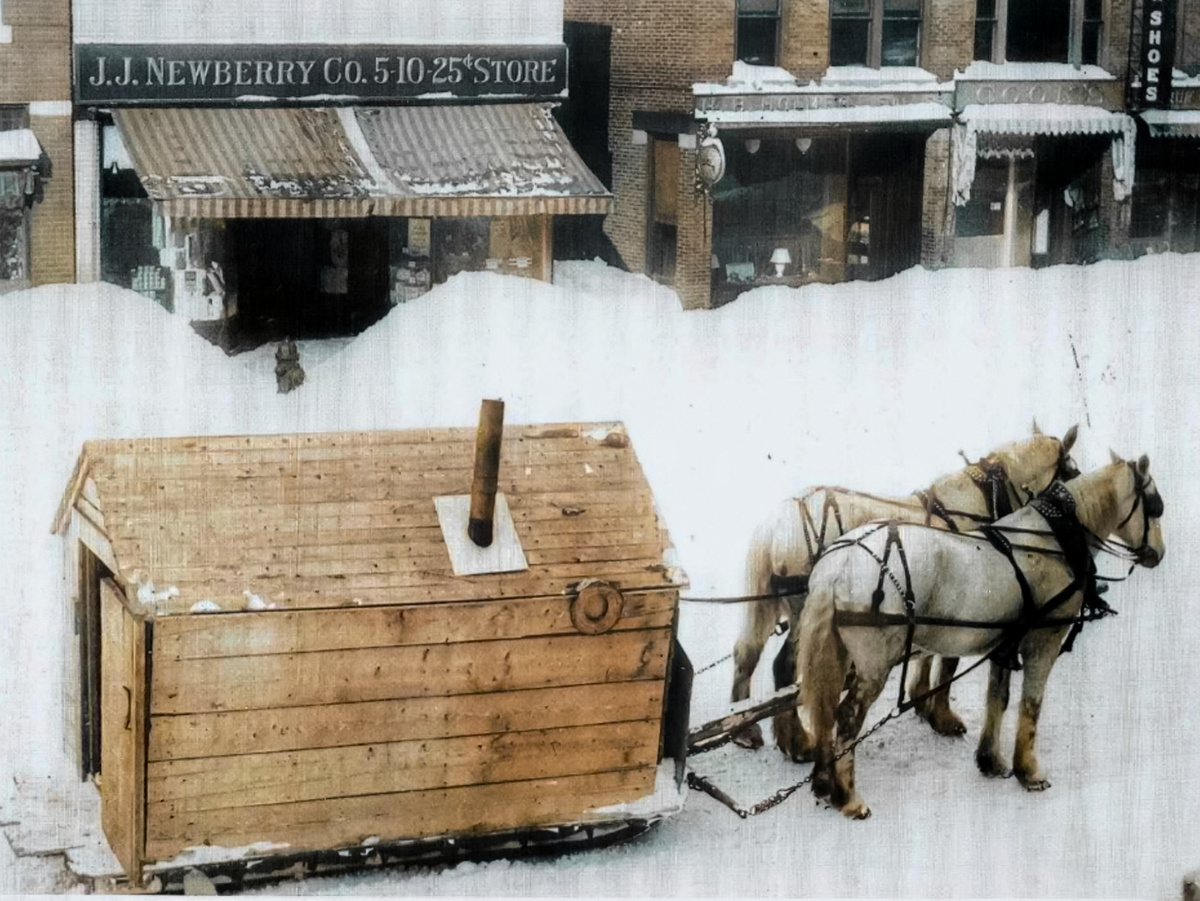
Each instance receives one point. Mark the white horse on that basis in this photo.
(783, 549)
(889, 588)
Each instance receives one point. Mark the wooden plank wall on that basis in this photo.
(325, 727)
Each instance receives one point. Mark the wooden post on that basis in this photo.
(487, 471)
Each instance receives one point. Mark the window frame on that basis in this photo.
(876, 18)
(1075, 34)
(776, 17)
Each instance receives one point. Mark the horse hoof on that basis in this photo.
(1034, 785)
(947, 723)
(749, 738)
(856, 810)
(992, 767)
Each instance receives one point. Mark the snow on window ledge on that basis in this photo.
(5, 34)
(983, 71)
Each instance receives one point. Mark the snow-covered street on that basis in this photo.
(872, 385)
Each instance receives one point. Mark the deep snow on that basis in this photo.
(876, 386)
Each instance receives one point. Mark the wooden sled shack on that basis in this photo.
(277, 656)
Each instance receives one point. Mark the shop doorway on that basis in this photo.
(662, 233)
(883, 233)
(308, 278)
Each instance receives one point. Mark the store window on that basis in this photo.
(16, 185)
(1047, 31)
(875, 33)
(5, 30)
(758, 32)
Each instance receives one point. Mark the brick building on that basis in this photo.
(786, 141)
(36, 162)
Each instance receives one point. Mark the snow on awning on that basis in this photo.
(495, 160)
(1172, 123)
(1030, 119)
(910, 115)
(247, 163)
(19, 146)
(486, 160)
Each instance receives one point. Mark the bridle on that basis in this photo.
(1151, 505)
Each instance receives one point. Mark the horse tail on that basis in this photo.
(821, 661)
(761, 614)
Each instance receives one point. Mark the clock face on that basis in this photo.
(710, 161)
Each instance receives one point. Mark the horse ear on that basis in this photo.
(1069, 439)
(1036, 430)
(1112, 453)
(1143, 464)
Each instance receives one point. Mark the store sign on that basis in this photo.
(1091, 92)
(116, 74)
(1157, 56)
(794, 101)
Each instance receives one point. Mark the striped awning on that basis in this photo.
(19, 146)
(491, 160)
(501, 160)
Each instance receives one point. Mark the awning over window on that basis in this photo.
(502, 160)
(1172, 123)
(1030, 119)
(19, 146)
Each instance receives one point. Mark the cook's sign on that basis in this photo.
(116, 74)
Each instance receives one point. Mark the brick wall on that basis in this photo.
(948, 36)
(660, 48)
(52, 224)
(937, 205)
(804, 44)
(36, 65)
(35, 68)
(693, 253)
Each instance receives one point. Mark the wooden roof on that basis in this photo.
(335, 519)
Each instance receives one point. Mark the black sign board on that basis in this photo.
(1157, 55)
(119, 74)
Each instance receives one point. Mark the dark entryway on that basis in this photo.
(883, 233)
(1068, 188)
(661, 232)
(308, 278)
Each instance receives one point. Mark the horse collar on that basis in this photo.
(1055, 502)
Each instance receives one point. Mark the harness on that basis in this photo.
(991, 478)
(1057, 507)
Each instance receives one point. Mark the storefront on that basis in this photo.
(1166, 195)
(306, 189)
(1038, 169)
(815, 186)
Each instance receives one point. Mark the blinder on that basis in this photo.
(1066, 468)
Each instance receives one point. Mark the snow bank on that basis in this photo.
(875, 386)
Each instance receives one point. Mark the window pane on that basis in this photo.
(1093, 9)
(1091, 43)
(900, 41)
(848, 42)
(759, 7)
(1038, 30)
(985, 9)
(851, 7)
(983, 39)
(907, 8)
(756, 40)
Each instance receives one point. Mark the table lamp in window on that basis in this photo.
(780, 258)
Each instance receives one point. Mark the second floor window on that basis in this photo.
(1041, 31)
(758, 32)
(875, 33)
